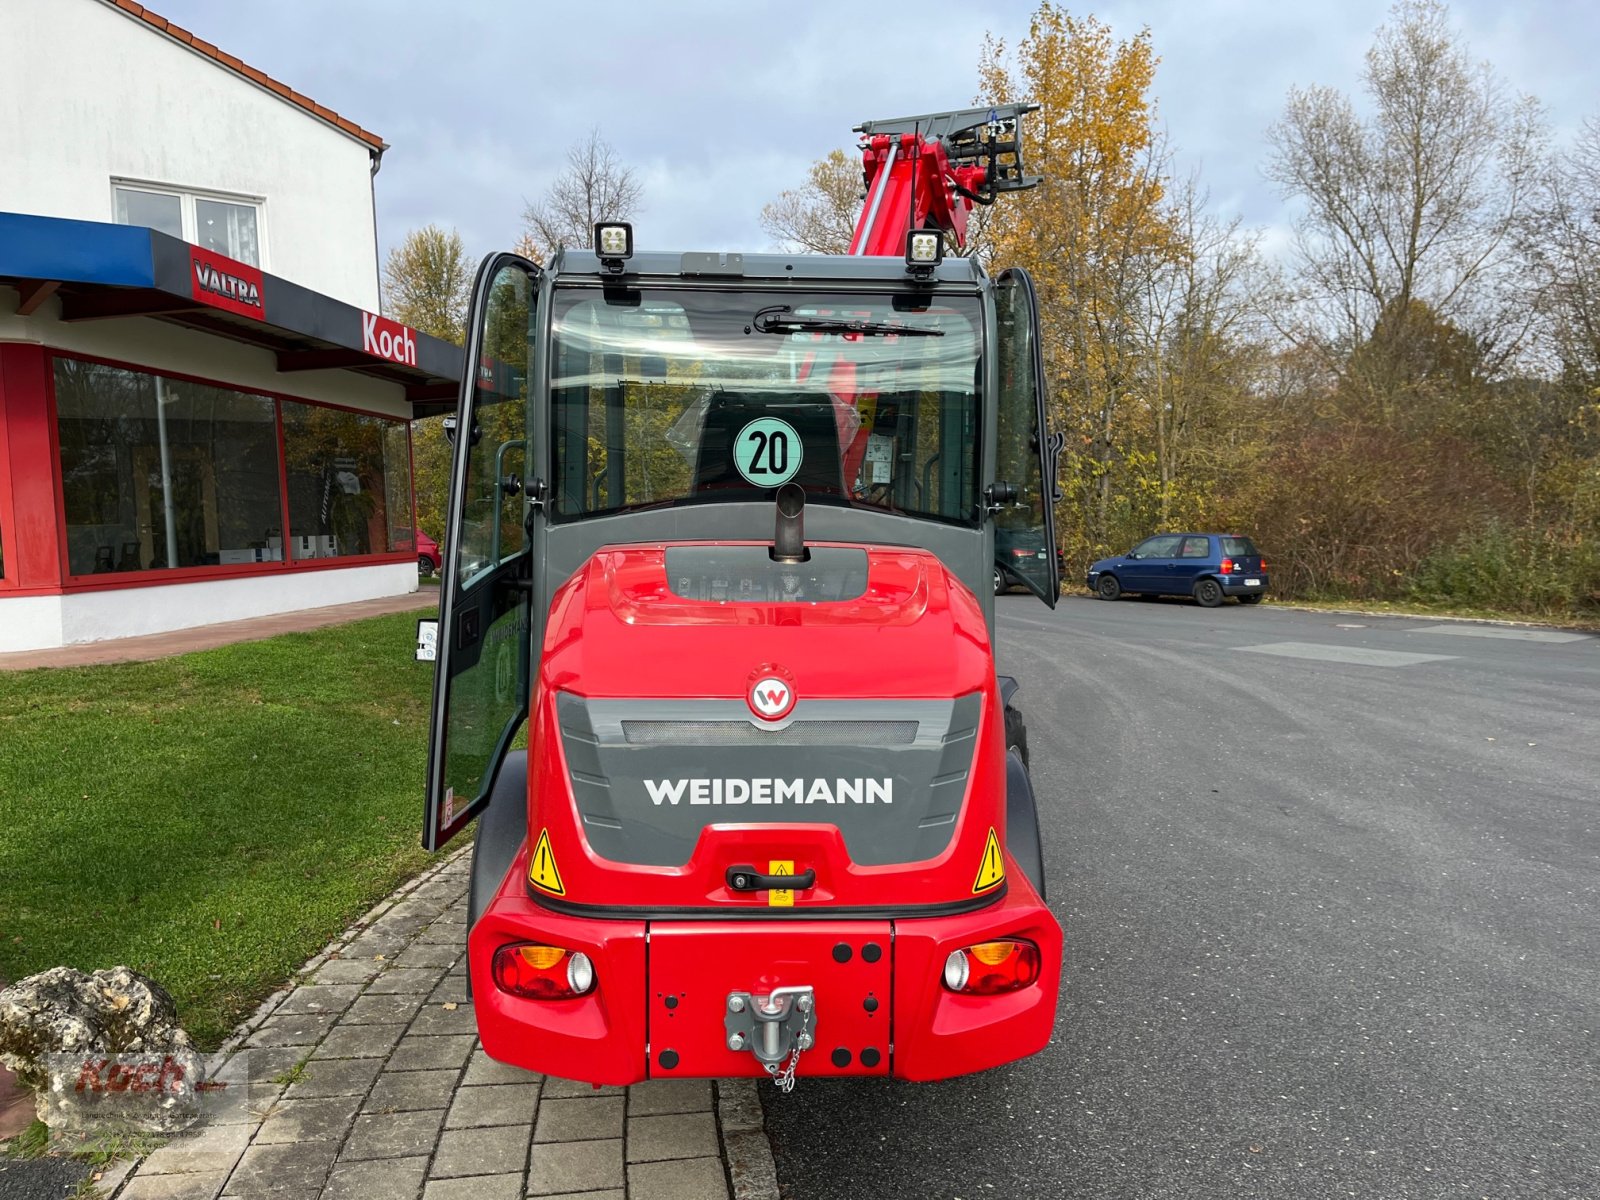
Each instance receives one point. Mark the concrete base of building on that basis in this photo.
(52, 621)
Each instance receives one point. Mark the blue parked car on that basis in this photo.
(1207, 566)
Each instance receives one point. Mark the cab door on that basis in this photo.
(1027, 452)
(480, 683)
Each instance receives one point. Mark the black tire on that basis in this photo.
(1017, 733)
(1108, 587)
(1208, 593)
(1000, 584)
(425, 565)
(1251, 598)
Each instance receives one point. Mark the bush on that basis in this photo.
(1516, 570)
(1350, 514)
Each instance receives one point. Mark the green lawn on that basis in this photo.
(213, 819)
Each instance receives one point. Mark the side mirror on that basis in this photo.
(427, 640)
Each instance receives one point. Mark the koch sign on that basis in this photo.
(388, 339)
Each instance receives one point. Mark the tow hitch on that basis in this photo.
(775, 1028)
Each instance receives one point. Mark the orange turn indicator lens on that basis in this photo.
(992, 954)
(541, 958)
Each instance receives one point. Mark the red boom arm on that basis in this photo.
(927, 172)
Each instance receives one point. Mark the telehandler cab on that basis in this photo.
(715, 665)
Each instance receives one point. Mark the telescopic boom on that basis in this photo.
(927, 172)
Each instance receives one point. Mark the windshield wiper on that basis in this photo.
(781, 319)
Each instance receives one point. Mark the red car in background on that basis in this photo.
(428, 557)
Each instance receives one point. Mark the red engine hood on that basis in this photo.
(648, 783)
(617, 629)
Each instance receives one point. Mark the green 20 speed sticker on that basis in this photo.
(767, 452)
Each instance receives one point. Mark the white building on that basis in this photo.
(127, 118)
(202, 416)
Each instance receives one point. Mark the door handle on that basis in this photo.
(747, 879)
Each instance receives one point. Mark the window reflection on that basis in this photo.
(164, 473)
(349, 483)
(161, 473)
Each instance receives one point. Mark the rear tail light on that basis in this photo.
(540, 972)
(1015, 553)
(991, 968)
(1263, 567)
(1227, 566)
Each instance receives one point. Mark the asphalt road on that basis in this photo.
(1332, 923)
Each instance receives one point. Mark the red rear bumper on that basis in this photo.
(672, 1000)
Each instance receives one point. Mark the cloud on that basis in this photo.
(719, 108)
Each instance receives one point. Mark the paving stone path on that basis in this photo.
(367, 1082)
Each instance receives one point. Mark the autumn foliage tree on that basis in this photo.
(427, 280)
(427, 283)
(1090, 236)
(1403, 404)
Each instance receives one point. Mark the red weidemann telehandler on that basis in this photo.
(715, 661)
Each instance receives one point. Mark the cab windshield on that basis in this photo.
(669, 396)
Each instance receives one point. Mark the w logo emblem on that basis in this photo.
(771, 697)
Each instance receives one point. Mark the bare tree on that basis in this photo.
(1563, 250)
(594, 187)
(1194, 338)
(1417, 203)
(819, 217)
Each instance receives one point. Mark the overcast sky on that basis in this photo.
(720, 106)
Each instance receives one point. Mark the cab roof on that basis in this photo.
(707, 266)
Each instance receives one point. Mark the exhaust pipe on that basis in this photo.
(789, 537)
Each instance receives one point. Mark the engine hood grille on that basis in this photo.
(648, 775)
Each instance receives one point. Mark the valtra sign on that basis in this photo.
(225, 283)
(388, 339)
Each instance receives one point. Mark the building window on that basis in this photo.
(159, 473)
(349, 482)
(229, 225)
(159, 210)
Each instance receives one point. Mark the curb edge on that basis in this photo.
(746, 1150)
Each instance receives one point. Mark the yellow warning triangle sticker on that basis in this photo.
(993, 868)
(542, 872)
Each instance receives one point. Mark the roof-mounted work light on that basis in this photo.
(613, 243)
(924, 252)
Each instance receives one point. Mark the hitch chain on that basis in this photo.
(783, 1076)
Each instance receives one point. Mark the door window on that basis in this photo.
(1161, 546)
(1196, 547)
(481, 686)
(1022, 443)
